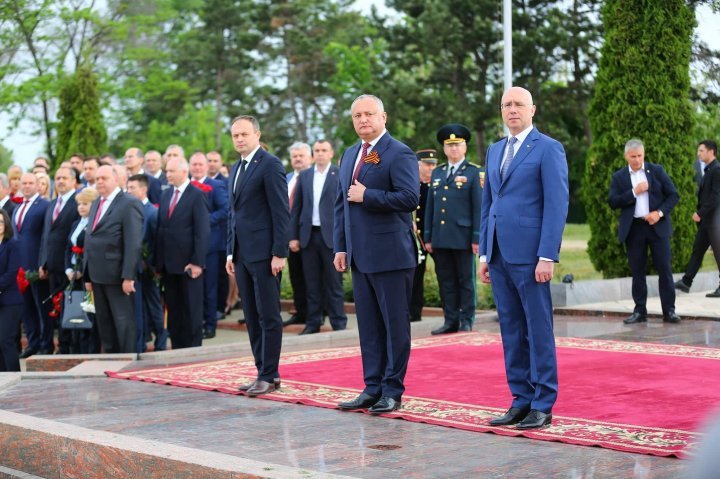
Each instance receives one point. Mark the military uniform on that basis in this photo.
(452, 227)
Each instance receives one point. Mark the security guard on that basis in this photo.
(427, 161)
(452, 228)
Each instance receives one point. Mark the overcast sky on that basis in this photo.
(26, 147)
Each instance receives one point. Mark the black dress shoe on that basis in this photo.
(384, 405)
(635, 318)
(361, 402)
(446, 329)
(241, 321)
(46, 352)
(671, 317)
(535, 419)
(513, 416)
(208, 334)
(294, 319)
(682, 286)
(415, 319)
(714, 294)
(27, 352)
(260, 387)
(309, 330)
(247, 386)
(219, 315)
(465, 325)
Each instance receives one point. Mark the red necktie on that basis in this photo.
(58, 206)
(365, 148)
(20, 216)
(173, 202)
(98, 213)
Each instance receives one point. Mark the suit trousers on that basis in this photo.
(525, 312)
(140, 346)
(417, 300)
(382, 303)
(154, 313)
(115, 315)
(641, 236)
(210, 285)
(455, 270)
(58, 282)
(260, 293)
(703, 240)
(297, 281)
(223, 283)
(9, 326)
(323, 283)
(32, 318)
(184, 299)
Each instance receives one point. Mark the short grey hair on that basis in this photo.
(175, 147)
(4, 180)
(634, 144)
(298, 145)
(373, 97)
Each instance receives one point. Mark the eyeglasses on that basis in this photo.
(510, 104)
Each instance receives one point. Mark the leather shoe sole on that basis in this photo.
(361, 402)
(714, 294)
(384, 405)
(535, 420)
(513, 416)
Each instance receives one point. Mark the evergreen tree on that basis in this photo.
(81, 127)
(642, 91)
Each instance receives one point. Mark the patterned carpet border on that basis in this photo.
(227, 375)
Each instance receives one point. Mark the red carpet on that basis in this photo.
(635, 397)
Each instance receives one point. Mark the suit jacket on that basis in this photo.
(698, 169)
(154, 189)
(526, 210)
(55, 235)
(80, 242)
(183, 238)
(9, 265)
(662, 195)
(258, 221)
(113, 249)
(452, 213)
(30, 234)
(377, 234)
(709, 194)
(9, 207)
(150, 221)
(301, 215)
(217, 201)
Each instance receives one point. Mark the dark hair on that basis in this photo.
(79, 155)
(8, 232)
(43, 167)
(140, 178)
(92, 158)
(251, 119)
(710, 145)
(73, 172)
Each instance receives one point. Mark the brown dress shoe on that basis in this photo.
(260, 387)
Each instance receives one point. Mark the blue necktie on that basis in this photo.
(508, 157)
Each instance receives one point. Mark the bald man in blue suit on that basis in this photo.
(524, 207)
(378, 189)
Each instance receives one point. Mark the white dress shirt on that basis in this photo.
(372, 146)
(520, 139)
(642, 201)
(319, 178)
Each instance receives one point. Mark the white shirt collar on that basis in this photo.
(455, 165)
(66, 196)
(252, 154)
(374, 142)
(201, 180)
(5, 199)
(32, 198)
(112, 195)
(523, 134)
(183, 186)
(642, 168)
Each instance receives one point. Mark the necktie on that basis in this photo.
(508, 157)
(58, 207)
(365, 148)
(452, 172)
(174, 201)
(98, 213)
(22, 213)
(240, 174)
(291, 198)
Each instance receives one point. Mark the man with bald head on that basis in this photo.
(180, 254)
(113, 243)
(523, 212)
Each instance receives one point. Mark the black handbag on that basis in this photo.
(73, 315)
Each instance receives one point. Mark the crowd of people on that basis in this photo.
(166, 246)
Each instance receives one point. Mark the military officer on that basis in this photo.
(427, 161)
(452, 228)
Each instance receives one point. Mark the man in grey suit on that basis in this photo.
(113, 242)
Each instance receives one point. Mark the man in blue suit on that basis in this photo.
(217, 201)
(257, 245)
(524, 207)
(28, 227)
(134, 161)
(312, 218)
(180, 252)
(646, 195)
(378, 189)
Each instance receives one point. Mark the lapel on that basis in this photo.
(527, 146)
(108, 212)
(332, 169)
(649, 176)
(249, 170)
(380, 147)
(354, 151)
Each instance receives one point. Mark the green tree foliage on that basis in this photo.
(5, 158)
(80, 123)
(642, 91)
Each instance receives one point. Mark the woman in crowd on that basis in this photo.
(11, 301)
(43, 185)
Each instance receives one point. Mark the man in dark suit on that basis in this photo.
(312, 230)
(378, 190)
(646, 195)
(113, 248)
(154, 167)
(214, 161)
(180, 252)
(217, 202)
(134, 161)
(257, 246)
(6, 202)
(452, 228)
(59, 218)
(524, 207)
(28, 226)
(705, 217)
